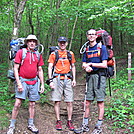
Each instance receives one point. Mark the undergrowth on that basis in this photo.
(5, 105)
(120, 108)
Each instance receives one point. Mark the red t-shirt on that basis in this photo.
(29, 68)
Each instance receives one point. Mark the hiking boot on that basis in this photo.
(33, 129)
(70, 125)
(97, 130)
(58, 125)
(11, 130)
(82, 129)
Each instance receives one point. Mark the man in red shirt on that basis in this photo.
(61, 83)
(29, 74)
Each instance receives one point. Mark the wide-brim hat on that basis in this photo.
(31, 37)
(62, 39)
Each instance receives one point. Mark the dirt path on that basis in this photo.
(45, 116)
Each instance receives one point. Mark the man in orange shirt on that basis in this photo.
(62, 83)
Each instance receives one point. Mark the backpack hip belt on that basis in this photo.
(32, 79)
(66, 74)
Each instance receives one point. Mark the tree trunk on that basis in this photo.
(18, 10)
(72, 36)
(31, 22)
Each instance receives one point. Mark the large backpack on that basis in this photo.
(16, 45)
(106, 39)
(103, 39)
(55, 50)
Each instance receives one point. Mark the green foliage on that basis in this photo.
(5, 105)
(45, 95)
(120, 108)
(51, 19)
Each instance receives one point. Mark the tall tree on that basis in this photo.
(18, 10)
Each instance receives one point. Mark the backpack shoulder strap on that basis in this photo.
(69, 56)
(99, 47)
(24, 52)
(56, 57)
(37, 54)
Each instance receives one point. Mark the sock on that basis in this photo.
(99, 123)
(86, 121)
(12, 123)
(30, 121)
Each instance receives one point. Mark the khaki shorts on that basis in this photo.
(92, 88)
(62, 88)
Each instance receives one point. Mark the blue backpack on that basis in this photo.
(16, 45)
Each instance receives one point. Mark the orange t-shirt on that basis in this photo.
(63, 64)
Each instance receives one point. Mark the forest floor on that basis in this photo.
(45, 116)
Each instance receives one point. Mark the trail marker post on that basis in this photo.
(129, 66)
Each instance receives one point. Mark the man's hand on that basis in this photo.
(73, 83)
(52, 85)
(88, 69)
(84, 65)
(42, 88)
(20, 88)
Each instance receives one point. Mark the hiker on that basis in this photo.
(61, 82)
(95, 64)
(29, 75)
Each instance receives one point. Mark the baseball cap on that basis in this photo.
(62, 39)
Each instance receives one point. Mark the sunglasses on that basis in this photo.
(91, 34)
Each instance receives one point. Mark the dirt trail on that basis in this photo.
(45, 116)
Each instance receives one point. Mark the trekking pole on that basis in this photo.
(84, 110)
(87, 78)
(109, 86)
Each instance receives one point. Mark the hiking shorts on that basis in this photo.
(92, 88)
(62, 89)
(30, 91)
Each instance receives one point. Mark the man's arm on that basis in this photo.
(41, 77)
(16, 74)
(88, 66)
(74, 75)
(98, 65)
(50, 68)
